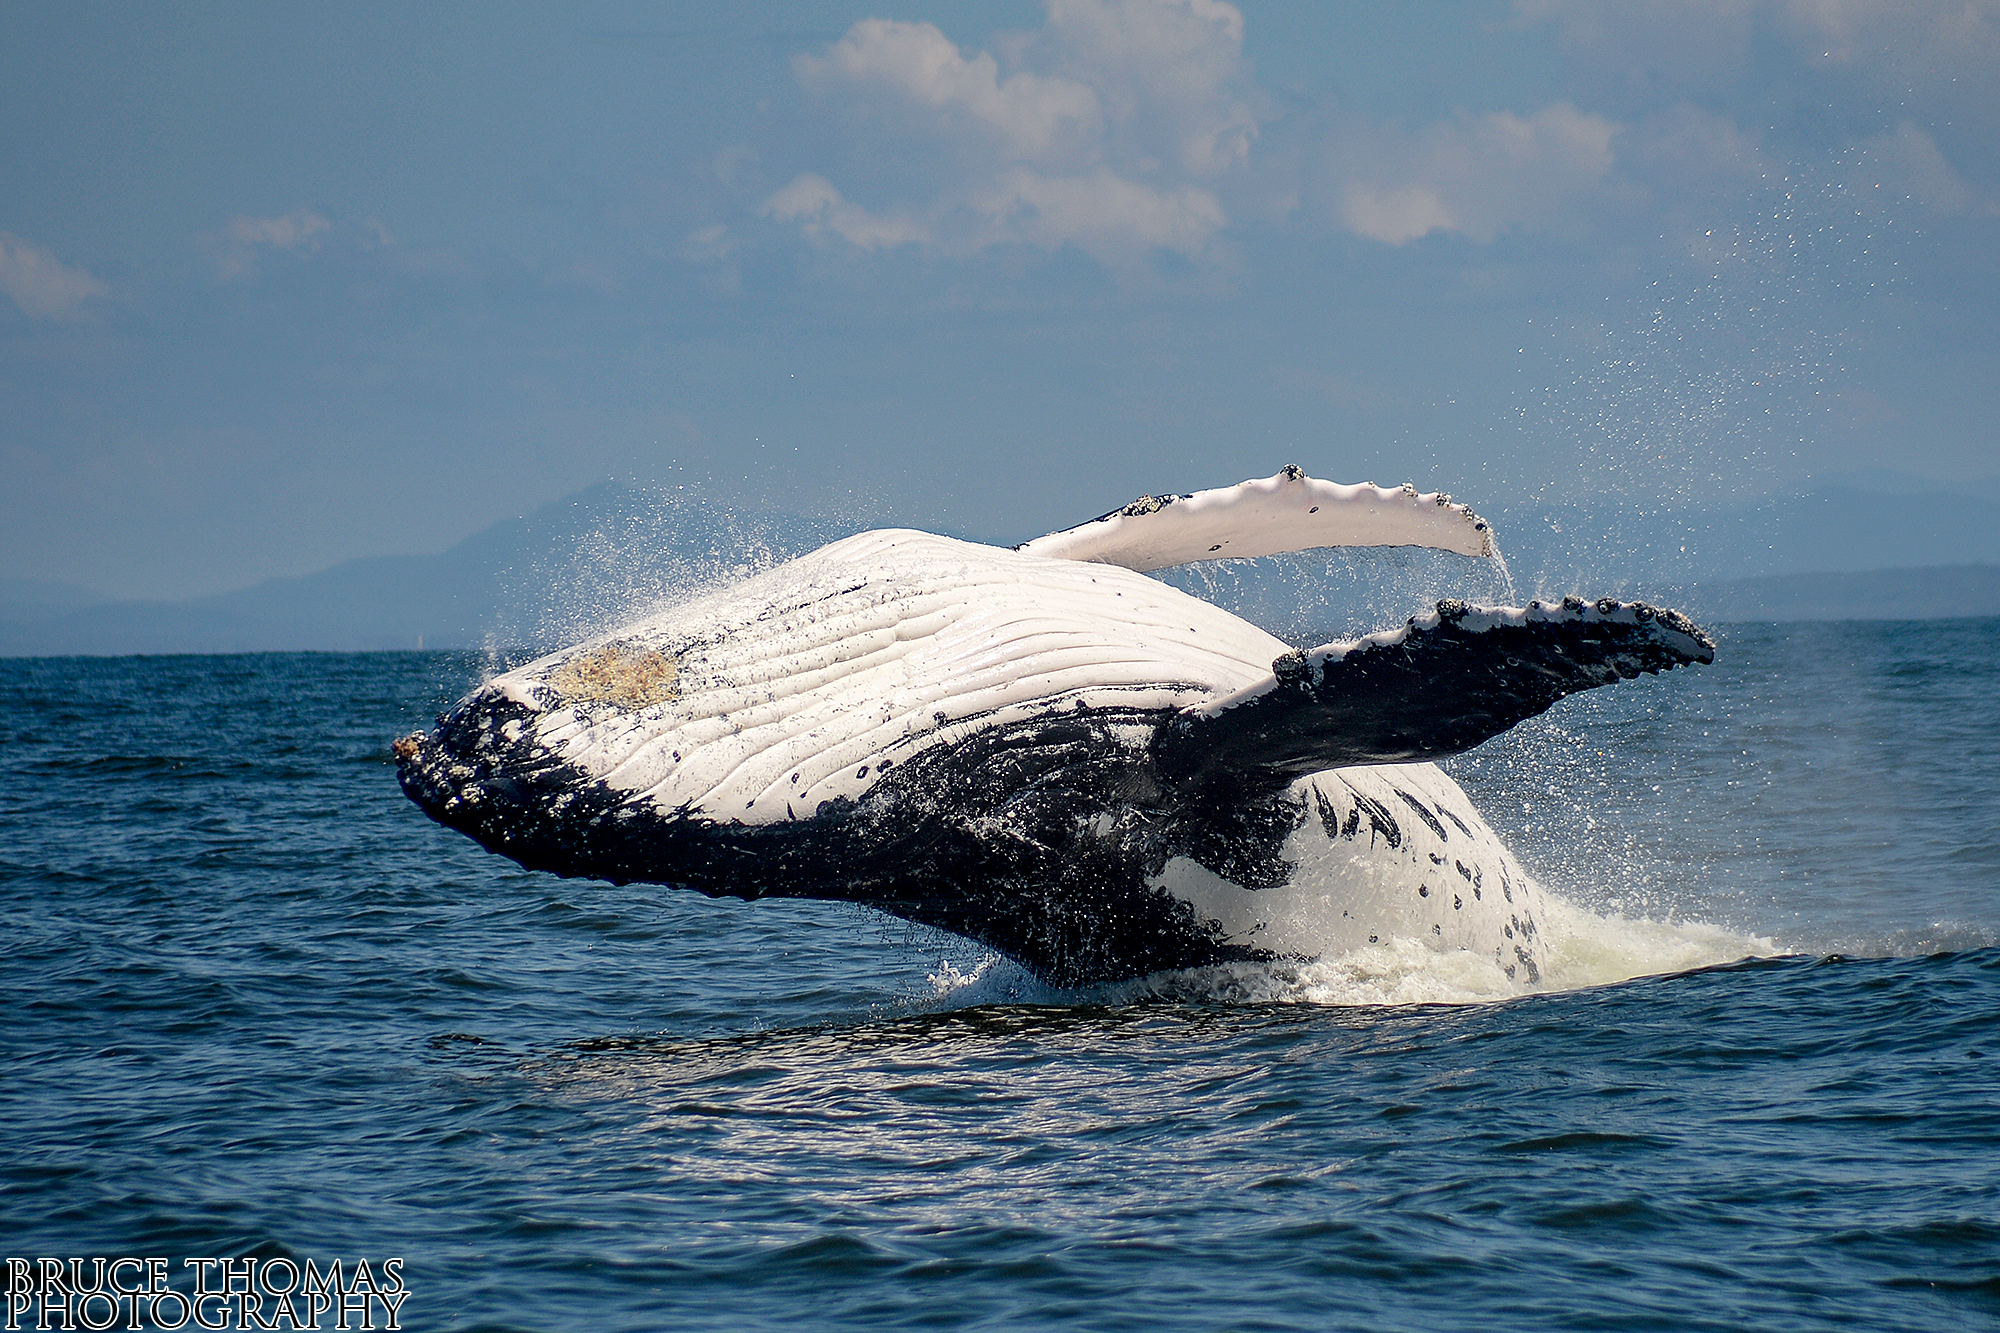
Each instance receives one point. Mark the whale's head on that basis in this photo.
(488, 769)
(513, 766)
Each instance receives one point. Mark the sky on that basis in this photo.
(287, 284)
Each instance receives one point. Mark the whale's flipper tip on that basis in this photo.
(1438, 686)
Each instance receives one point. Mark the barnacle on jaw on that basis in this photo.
(628, 677)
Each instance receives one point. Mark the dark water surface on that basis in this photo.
(258, 1005)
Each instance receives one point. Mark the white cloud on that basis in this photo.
(1689, 149)
(709, 245)
(1948, 38)
(1658, 47)
(1101, 213)
(42, 285)
(1474, 175)
(242, 238)
(1906, 162)
(817, 208)
(1934, 54)
(293, 231)
(1907, 70)
(1126, 128)
(1170, 75)
(710, 248)
(1029, 114)
(1557, 169)
(1105, 130)
(1395, 213)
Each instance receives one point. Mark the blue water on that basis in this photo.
(258, 1005)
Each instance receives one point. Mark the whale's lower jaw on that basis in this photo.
(1049, 843)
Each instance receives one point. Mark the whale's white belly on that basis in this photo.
(1389, 852)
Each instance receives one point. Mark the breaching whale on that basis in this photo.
(1046, 751)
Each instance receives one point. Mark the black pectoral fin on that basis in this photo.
(1438, 686)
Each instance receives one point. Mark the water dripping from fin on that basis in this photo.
(1506, 574)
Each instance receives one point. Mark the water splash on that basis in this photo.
(1584, 949)
(1510, 597)
(623, 552)
(1329, 593)
(1666, 415)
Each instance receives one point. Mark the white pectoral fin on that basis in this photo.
(1268, 516)
(1438, 686)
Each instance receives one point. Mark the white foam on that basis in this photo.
(1583, 950)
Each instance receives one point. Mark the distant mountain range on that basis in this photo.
(1855, 550)
(1928, 592)
(1834, 527)
(538, 581)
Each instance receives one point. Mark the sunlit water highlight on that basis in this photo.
(260, 1005)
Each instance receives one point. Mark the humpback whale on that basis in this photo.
(1045, 750)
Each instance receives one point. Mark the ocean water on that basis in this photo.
(258, 1005)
